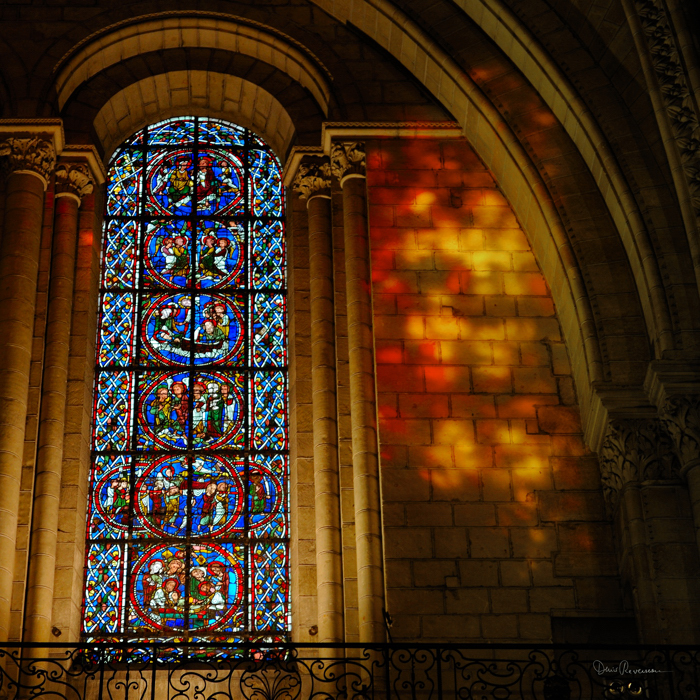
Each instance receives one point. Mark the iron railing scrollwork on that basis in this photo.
(257, 671)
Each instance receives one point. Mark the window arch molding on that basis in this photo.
(188, 532)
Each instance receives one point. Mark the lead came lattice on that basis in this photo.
(188, 514)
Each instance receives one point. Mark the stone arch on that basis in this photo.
(160, 33)
(200, 93)
(391, 28)
(625, 345)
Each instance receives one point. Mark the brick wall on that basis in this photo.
(493, 517)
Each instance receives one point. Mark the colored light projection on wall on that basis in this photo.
(188, 531)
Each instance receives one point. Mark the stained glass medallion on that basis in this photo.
(188, 522)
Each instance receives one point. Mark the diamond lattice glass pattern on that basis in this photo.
(188, 527)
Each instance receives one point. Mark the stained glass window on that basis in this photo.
(187, 533)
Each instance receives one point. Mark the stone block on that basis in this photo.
(405, 485)
(441, 627)
(423, 406)
(479, 282)
(518, 514)
(522, 405)
(492, 431)
(447, 379)
(534, 380)
(551, 598)
(478, 573)
(571, 505)
(454, 485)
(492, 380)
(474, 406)
(483, 514)
(453, 432)
(489, 542)
(412, 600)
(408, 543)
(559, 419)
(460, 601)
(430, 514)
(585, 564)
(511, 600)
(533, 542)
(535, 627)
(404, 431)
(431, 456)
(496, 485)
(498, 627)
(576, 472)
(451, 543)
(535, 306)
(515, 573)
(476, 328)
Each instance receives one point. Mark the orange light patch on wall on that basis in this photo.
(475, 397)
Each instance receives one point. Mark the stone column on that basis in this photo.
(73, 181)
(31, 161)
(657, 554)
(348, 165)
(681, 418)
(312, 183)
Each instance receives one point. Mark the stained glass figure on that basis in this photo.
(188, 527)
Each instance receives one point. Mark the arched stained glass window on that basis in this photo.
(187, 533)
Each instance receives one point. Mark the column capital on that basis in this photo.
(35, 155)
(680, 416)
(73, 179)
(313, 178)
(634, 451)
(348, 159)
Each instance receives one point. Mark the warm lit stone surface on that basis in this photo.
(488, 488)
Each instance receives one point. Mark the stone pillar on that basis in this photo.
(31, 161)
(73, 181)
(657, 554)
(681, 418)
(313, 183)
(348, 165)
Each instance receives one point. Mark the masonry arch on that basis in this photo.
(205, 93)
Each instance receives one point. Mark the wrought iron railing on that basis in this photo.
(348, 672)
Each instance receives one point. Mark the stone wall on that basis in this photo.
(493, 514)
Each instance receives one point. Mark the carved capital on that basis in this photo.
(35, 154)
(635, 451)
(348, 159)
(74, 178)
(313, 178)
(680, 416)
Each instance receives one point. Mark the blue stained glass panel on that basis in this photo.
(268, 255)
(109, 497)
(104, 591)
(269, 565)
(217, 496)
(119, 254)
(269, 411)
(162, 410)
(171, 132)
(112, 411)
(267, 495)
(220, 254)
(268, 336)
(218, 410)
(123, 193)
(188, 520)
(167, 253)
(267, 190)
(217, 133)
(116, 329)
(160, 495)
